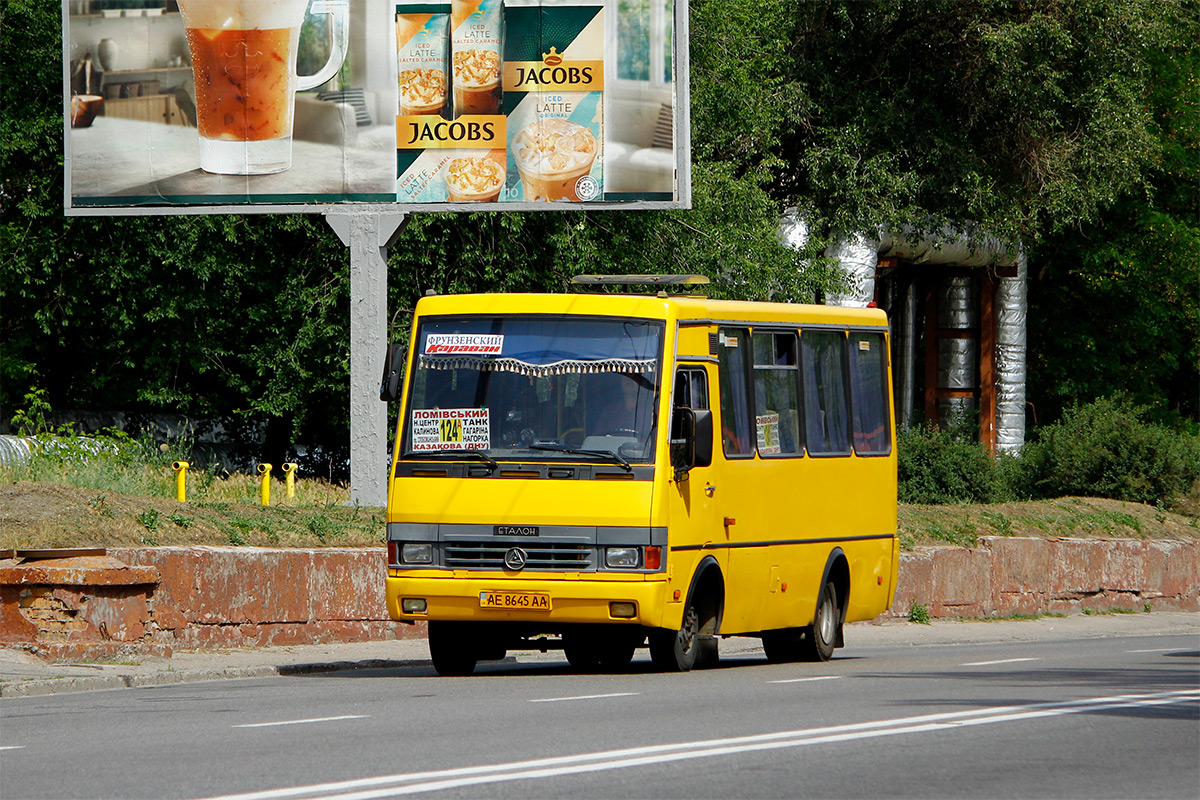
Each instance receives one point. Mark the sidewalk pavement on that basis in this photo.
(23, 674)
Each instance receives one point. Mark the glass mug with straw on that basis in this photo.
(244, 62)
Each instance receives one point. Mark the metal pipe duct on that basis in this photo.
(859, 254)
(908, 356)
(958, 359)
(857, 257)
(1012, 313)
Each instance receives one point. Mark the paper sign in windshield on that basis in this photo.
(477, 343)
(451, 429)
(768, 433)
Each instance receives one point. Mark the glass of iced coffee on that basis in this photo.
(476, 82)
(244, 63)
(474, 179)
(552, 156)
(422, 91)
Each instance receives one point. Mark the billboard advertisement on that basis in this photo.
(209, 106)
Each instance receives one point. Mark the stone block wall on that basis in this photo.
(153, 600)
(213, 597)
(1003, 576)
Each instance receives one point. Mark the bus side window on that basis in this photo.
(736, 434)
(868, 393)
(691, 389)
(776, 394)
(826, 410)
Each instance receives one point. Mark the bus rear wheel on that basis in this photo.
(821, 636)
(813, 642)
(451, 650)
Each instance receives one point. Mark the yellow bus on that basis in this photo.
(600, 472)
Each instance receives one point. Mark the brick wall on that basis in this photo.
(163, 598)
(1004, 576)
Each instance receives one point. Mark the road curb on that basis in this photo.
(47, 686)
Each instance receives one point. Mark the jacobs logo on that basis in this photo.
(552, 72)
(557, 77)
(425, 131)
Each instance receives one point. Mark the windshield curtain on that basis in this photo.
(521, 387)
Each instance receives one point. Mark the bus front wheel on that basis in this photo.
(676, 651)
(452, 652)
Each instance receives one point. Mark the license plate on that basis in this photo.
(524, 601)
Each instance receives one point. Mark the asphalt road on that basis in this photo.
(1082, 717)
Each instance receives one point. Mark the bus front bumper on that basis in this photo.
(501, 599)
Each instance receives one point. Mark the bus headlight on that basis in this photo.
(622, 557)
(417, 553)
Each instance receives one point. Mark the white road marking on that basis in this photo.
(1001, 661)
(806, 680)
(12, 747)
(1156, 650)
(437, 780)
(584, 697)
(301, 721)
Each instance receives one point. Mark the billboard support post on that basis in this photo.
(368, 233)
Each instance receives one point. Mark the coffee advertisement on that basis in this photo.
(449, 105)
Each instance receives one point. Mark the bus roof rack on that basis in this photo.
(639, 280)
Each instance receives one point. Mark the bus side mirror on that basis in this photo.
(393, 370)
(703, 438)
(691, 439)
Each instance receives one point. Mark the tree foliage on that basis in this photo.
(1069, 124)
(1117, 301)
(1026, 118)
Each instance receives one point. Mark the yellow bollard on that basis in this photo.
(289, 471)
(265, 471)
(181, 468)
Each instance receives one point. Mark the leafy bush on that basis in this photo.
(1108, 449)
(941, 467)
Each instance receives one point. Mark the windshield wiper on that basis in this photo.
(479, 454)
(616, 458)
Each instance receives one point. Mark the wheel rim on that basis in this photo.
(826, 623)
(687, 633)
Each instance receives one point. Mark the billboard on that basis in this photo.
(215, 106)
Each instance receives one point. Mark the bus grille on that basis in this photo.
(545, 556)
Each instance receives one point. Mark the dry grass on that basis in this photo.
(39, 514)
(1072, 517)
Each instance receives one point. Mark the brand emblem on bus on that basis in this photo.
(516, 530)
(515, 558)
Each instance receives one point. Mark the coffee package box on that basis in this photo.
(456, 176)
(423, 58)
(440, 160)
(553, 98)
(477, 33)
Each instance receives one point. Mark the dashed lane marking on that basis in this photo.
(300, 721)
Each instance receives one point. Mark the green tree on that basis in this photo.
(1117, 302)
(1024, 117)
(1039, 119)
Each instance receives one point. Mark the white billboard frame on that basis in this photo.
(681, 140)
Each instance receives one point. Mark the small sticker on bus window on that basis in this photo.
(451, 343)
(450, 429)
(731, 341)
(768, 433)
(865, 345)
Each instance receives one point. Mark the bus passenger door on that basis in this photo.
(696, 527)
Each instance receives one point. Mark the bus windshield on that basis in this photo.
(535, 388)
